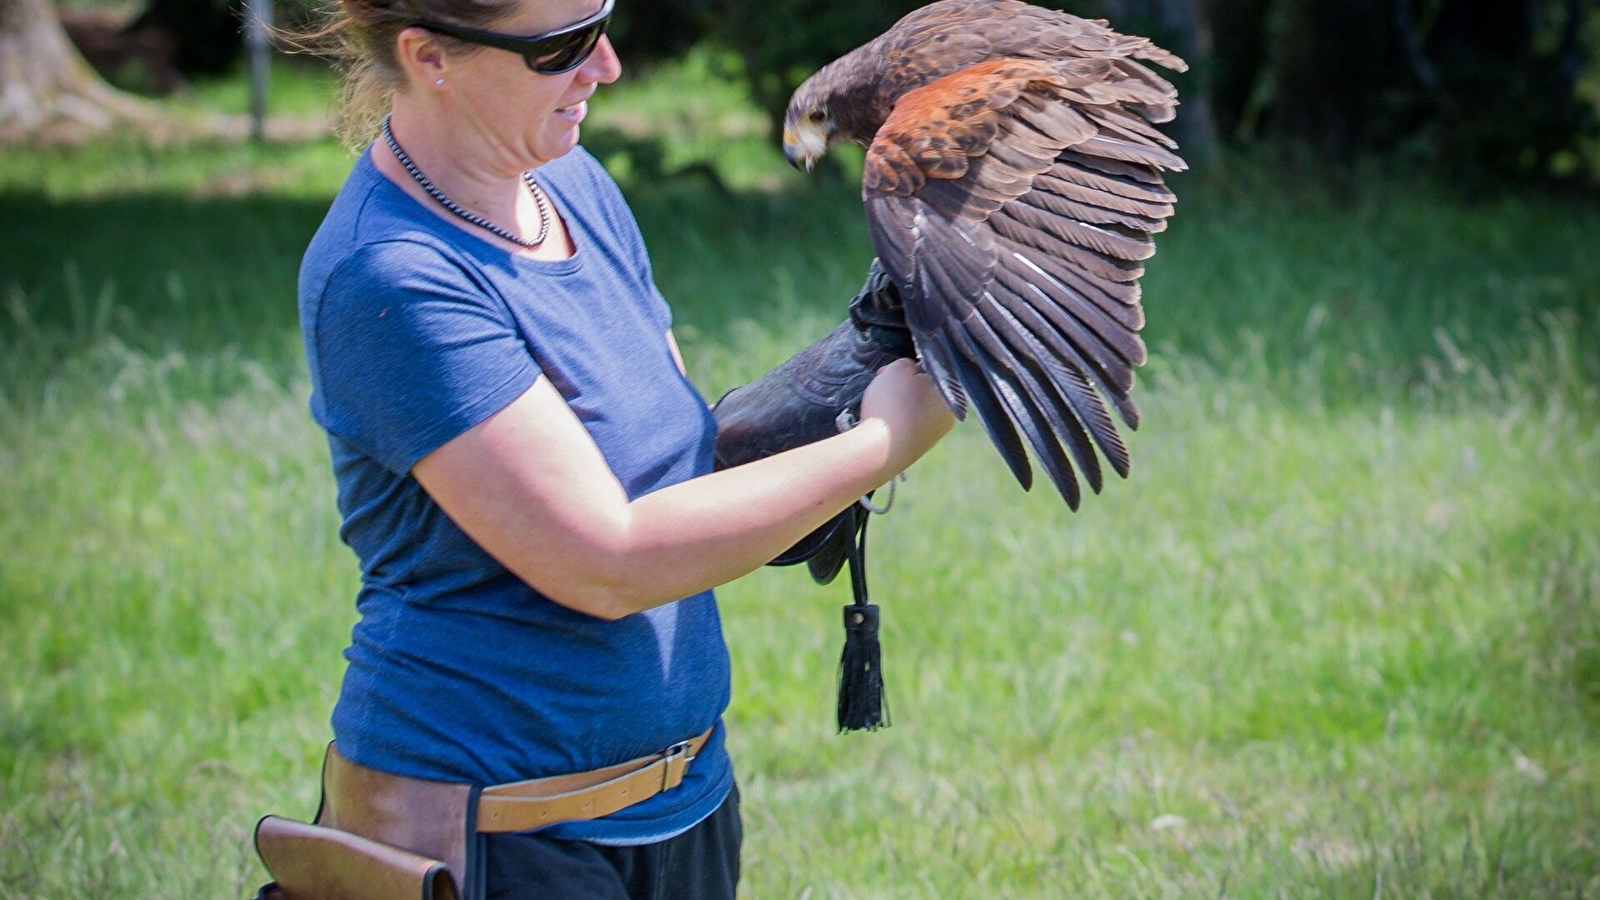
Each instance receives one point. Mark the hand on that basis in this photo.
(904, 398)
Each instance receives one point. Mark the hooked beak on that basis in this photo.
(804, 143)
(795, 153)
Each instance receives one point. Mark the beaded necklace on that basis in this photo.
(475, 219)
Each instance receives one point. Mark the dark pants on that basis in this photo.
(700, 864)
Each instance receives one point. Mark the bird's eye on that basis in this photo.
(818, 116)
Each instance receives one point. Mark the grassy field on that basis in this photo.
(1338, 636)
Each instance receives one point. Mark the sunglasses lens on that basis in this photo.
(566, 52)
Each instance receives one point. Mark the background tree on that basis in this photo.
(1181, 26)
(649, 32)
(45, 85)
(206, 36)
(1467, 84)
(1238, 29)
(1502, 92)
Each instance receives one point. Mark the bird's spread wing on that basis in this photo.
(1013, 202)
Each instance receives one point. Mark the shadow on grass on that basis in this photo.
(198, 272)
(1297, 284)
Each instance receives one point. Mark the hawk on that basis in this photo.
(1012, 184)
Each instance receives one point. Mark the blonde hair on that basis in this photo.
(358, 36)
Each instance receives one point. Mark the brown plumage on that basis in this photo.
(1012, 185)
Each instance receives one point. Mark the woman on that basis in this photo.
(523, 469)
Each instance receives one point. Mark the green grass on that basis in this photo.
(1338, 636)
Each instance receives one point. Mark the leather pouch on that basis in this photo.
(310, 862)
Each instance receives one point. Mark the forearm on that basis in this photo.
(710, 530)
(531, 488)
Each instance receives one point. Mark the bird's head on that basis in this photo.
(808, 129)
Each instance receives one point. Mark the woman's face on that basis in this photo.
(532, 115)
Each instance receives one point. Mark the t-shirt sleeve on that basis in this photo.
(655, 304)
(410, 352)
(626, 226)
(659, 308)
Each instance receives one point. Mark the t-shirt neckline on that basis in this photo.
(558, 208)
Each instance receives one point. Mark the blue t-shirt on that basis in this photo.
(416, 330)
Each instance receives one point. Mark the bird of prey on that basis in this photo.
(1012, 184)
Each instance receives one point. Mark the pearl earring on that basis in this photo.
(439, 82)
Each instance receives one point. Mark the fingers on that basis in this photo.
(905, 398)
(904, 362)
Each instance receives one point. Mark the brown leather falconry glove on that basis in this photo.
(813, 395)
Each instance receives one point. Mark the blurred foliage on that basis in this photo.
(1468, 87)
(207, 39)
(646, 32)
(1507, 89)
(204, 35)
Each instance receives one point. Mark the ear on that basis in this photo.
(419, 53)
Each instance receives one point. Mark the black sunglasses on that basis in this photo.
(550, 53)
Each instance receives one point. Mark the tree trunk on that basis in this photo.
(1234, 75)
(1195, 127)
(1338, 74)
(46, 88)
(1178, 26)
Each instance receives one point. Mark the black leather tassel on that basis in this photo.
(862, 704)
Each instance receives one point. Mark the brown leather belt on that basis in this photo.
(526, 805)
(430, 817)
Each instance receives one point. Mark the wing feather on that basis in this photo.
(1097, 296)
(1055, 183)
(1075, 412)
(990, 406)
(1078, 346)
(1128, 125)
(1106, 240)
(1034, 407)
(1049, 299)
(1090, 320)
(1098, 264)
(1108, 147)
(1088, 212)
(1106, 166)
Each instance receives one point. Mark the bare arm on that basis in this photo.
(530, 486)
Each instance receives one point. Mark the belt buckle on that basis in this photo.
(675, 760)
